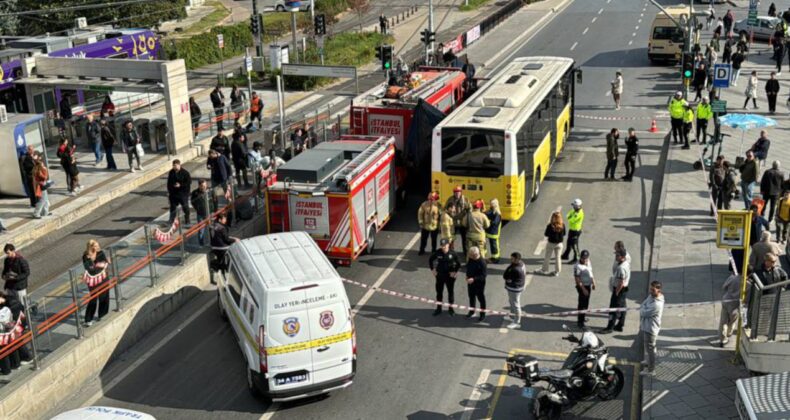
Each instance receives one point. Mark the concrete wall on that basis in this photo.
(765, 356)
(179, 121)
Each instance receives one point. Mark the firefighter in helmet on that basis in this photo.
(492, 233)
(462, 208)
(476, 224)
(428, 218)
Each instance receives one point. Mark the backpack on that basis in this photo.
(728, 184)
(718, 176)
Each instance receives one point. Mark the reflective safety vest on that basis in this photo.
(676, 108)
(704, 112)
(575, 219)
(255, 104)
(688, 116)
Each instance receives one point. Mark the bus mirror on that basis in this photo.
(579, 76)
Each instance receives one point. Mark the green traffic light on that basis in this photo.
(687, 73)
(386, 65)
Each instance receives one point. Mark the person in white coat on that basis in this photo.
(617, 89)
(650, 312)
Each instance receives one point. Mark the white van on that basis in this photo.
(291, 316)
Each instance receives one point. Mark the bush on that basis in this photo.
(202, 49)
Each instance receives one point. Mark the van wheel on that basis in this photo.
(371, 239)
(536, 192)
(251, 385)
(222, 313)
(280, 8)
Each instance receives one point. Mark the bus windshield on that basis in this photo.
(472, 152)
(667, 33)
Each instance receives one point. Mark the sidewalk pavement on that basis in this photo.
(694, 377)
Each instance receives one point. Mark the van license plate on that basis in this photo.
(291, 379)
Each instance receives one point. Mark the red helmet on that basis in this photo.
(457, 189)
(479, 204)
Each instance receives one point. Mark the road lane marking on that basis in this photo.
(474, 397)
(498, 391)
(633, 34)
(693, 371)
(269, 413)
(594, 19)
(636, 28)
(581, 158)
(600, 10)
(384, 275)
(654, 400)
(541, 246)
(639, 21)
(568, 187)
(607, 93)
(585, 30)
(574, 45)
(608, 1)
(630, 42)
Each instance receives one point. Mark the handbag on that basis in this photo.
(139, 148)
(47, 184)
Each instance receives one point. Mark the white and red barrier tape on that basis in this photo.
(7, 337)
(659, 115)
(94, 280)
(523, 314)
(165, 237)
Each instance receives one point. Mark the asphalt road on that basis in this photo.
(417, 366)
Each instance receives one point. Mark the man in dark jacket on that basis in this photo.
(220, 173)
(21, 356)
(16, 271)
(204, 204)
(748, 178)
(93, 130)
(130, 140)
(444, 264)
(761, 146)
(772, 92)
(759, 224)
(27, 163)
(631, 150)
(515, 278)
(239, 152)
(218, 102)
(220, 143)
(179, 183)
(612, 151)
(771, 188)
(771, 273)
(108, 141)
(220, 242)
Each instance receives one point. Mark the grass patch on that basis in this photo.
(473, 5)
(209, 21)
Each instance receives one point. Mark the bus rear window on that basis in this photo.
(472, 152)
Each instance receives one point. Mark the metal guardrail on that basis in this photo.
(768, 309)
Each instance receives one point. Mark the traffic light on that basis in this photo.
(254, 24)
(386, 57)
(427, 36)
(688, 67)
(320, 25)
(378, 52)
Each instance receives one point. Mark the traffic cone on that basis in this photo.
(653, 128)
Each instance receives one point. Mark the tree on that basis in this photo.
(360, 7)
(8, 24)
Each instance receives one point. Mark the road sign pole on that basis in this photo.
(221, 45)
(248, 65)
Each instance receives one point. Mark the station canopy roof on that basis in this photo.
(100, 84)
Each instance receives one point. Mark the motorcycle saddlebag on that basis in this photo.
(522, 366)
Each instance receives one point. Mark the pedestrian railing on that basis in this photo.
(55, 312)
(768, 313)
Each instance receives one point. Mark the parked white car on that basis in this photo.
(765, 27)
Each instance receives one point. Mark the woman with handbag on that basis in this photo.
(69, 163)
(95, 263)
(131, 140)
(40, 181)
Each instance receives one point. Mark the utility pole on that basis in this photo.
(312, 10)
(293, 33)
(430, 24)
(259, 35)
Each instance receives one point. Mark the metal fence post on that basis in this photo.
(754, 320)
(208, 219)
(233, 197)
(774, 315)
(32, 327)
(181, 235)
(75, 298)
(151, 254)
(118, 294)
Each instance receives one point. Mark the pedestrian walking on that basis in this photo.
(10, 310)
(760, 147)
(719, 29)
(688, 125)
(730, 302)
(748, 178)
(66, 115)
(716, 176)
(476, 224)
(196, 114)
(93, 130)
(759, 224)
(631, 151)
(462, 207)
(298, 140)
(218, 102)
(131, 141)
(771, 189)
(428, 219)
(447, 225)
(771, 273)
(726, 55)
(220, 170)
(617, 89)
(751, 90)
(26, 164)
(575, 219)
(704, 114)
(762, 248)
(585, 284)
(555, 234)
(700, 81)
(107, 107)
(444, 264)
(256, 111)
(779, 49)
(729, 20)
(476, 281)
(108, 142)
(221, 144)
(204, 205)
(737, 59)
(383, 24)
(16, 271)
(515, 280)
(95, 262)
(783, 217)
(618, 286)
(711, 56)
(727, 192)
(710, 18)
(236, 102)
(650, 312)
(41, 182)
(677, 106)
(179, 184)
(772, 10)
(494, 216)
(612, 151)
(239, 152)
(69, 163)
(220, 242)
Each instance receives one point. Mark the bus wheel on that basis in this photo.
(371, 239)
(536, 191)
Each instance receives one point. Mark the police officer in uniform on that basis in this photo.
(677, 108)
(575, 219)
(428, 218)
(476, 224)
(688, 124)
(444, 264)
(704, 114)
(462, 208)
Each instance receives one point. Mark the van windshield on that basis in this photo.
(667, 33)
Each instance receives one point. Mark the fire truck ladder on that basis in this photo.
(362, 160)
(427, 89)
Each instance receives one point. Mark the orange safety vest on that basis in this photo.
(255, 104)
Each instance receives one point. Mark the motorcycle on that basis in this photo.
(585, 375)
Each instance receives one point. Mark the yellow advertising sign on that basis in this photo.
(732, 229)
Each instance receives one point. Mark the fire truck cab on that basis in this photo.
(341, 193)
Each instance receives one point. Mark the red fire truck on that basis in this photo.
(341, 193)
(408, 113)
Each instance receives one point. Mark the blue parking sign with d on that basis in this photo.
(721, 75)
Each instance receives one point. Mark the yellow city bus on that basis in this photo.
(501, 142)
